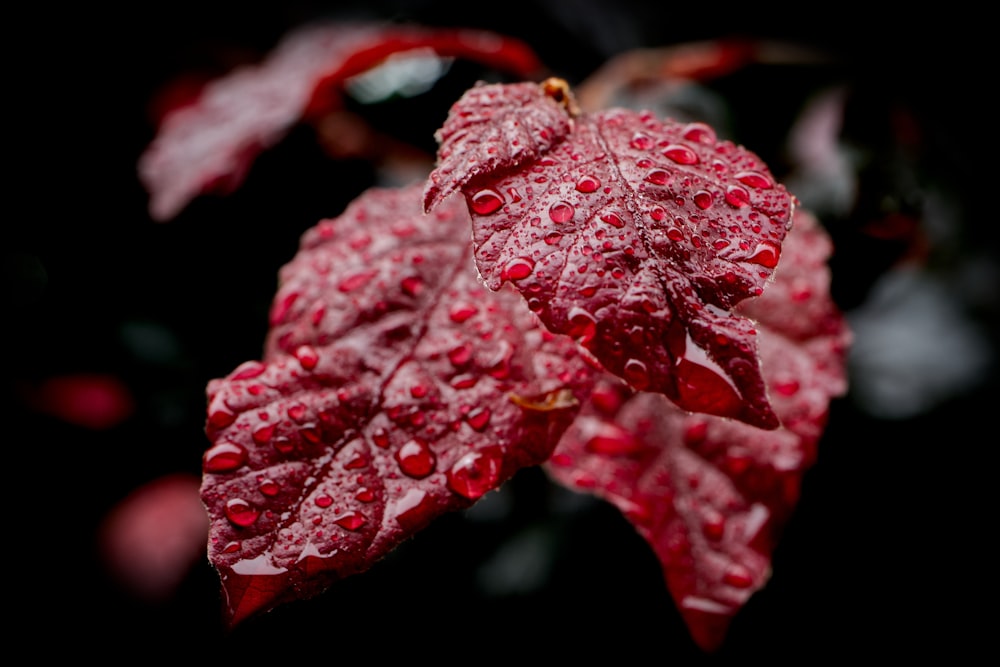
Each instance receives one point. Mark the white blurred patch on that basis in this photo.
(521, 566)
(914, 346)
(402, 74)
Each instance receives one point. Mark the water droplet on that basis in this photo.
(248, 370)
(224, 457)
(658, 176)
(380, 437)
(720, 244)
(754, 179)
(658, 213)
(269, 487)
(476, 472)
(464, 381)
(486, 201)
(461, 312)
(220, 418)
(766, 254)
(241, 513)
(737, 196)
(641, 141)
(561, 211)
(553, 238)
(738, 576)
(478, 418)
(353, 282)
(351, 520)
(699, 133)
(416, 459)
(714, 526)
(460, 355)
(358, 462)
(680, 154)
(412, 285)
(675, 234)
(310, 432)
(587, 184)
(263, 434)
(695, 432)
(283, 444)
(323, 500)
(703, 199)
(231, 548)
(365, 495)
(518, 268)
(636, 374)
(307, 356)
(413, 510)
(612, 440)
(613, 219)
(788, 387)
(582, 325)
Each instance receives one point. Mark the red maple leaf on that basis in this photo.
(710, 494)
(210, 145)
(633, 234)
(394, 388)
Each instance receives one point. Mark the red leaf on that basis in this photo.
(394, 388)
(633, 234)
(709, 494)
(153, 537)
(95, 401)
(209, 146)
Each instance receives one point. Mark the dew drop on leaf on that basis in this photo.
(381, 438)
(461, 312)
(766, 254)
(737, 576)
(636, 374)
(486, 201)
(518, 268)
(587, 184)
(412, 285)
(263, 434)
(754, 179)
(269, 487)
(658, 176)
(703, 199)
(351, 521)
(612, 440)
(353, 282)
(307, 357)
(613, 219)
(416, 459)
(478, 418)
(737, 196)
(221, 418)
(699, 133)
(561, 211)
(224, 457)
(475, 473)
(680, 154)
(241, 513)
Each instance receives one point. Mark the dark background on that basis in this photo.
(888, 547)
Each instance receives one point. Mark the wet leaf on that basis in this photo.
(210, 145)
(385, 398)
(712, 495)
(636, 235)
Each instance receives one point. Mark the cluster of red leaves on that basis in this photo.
(599, 293)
